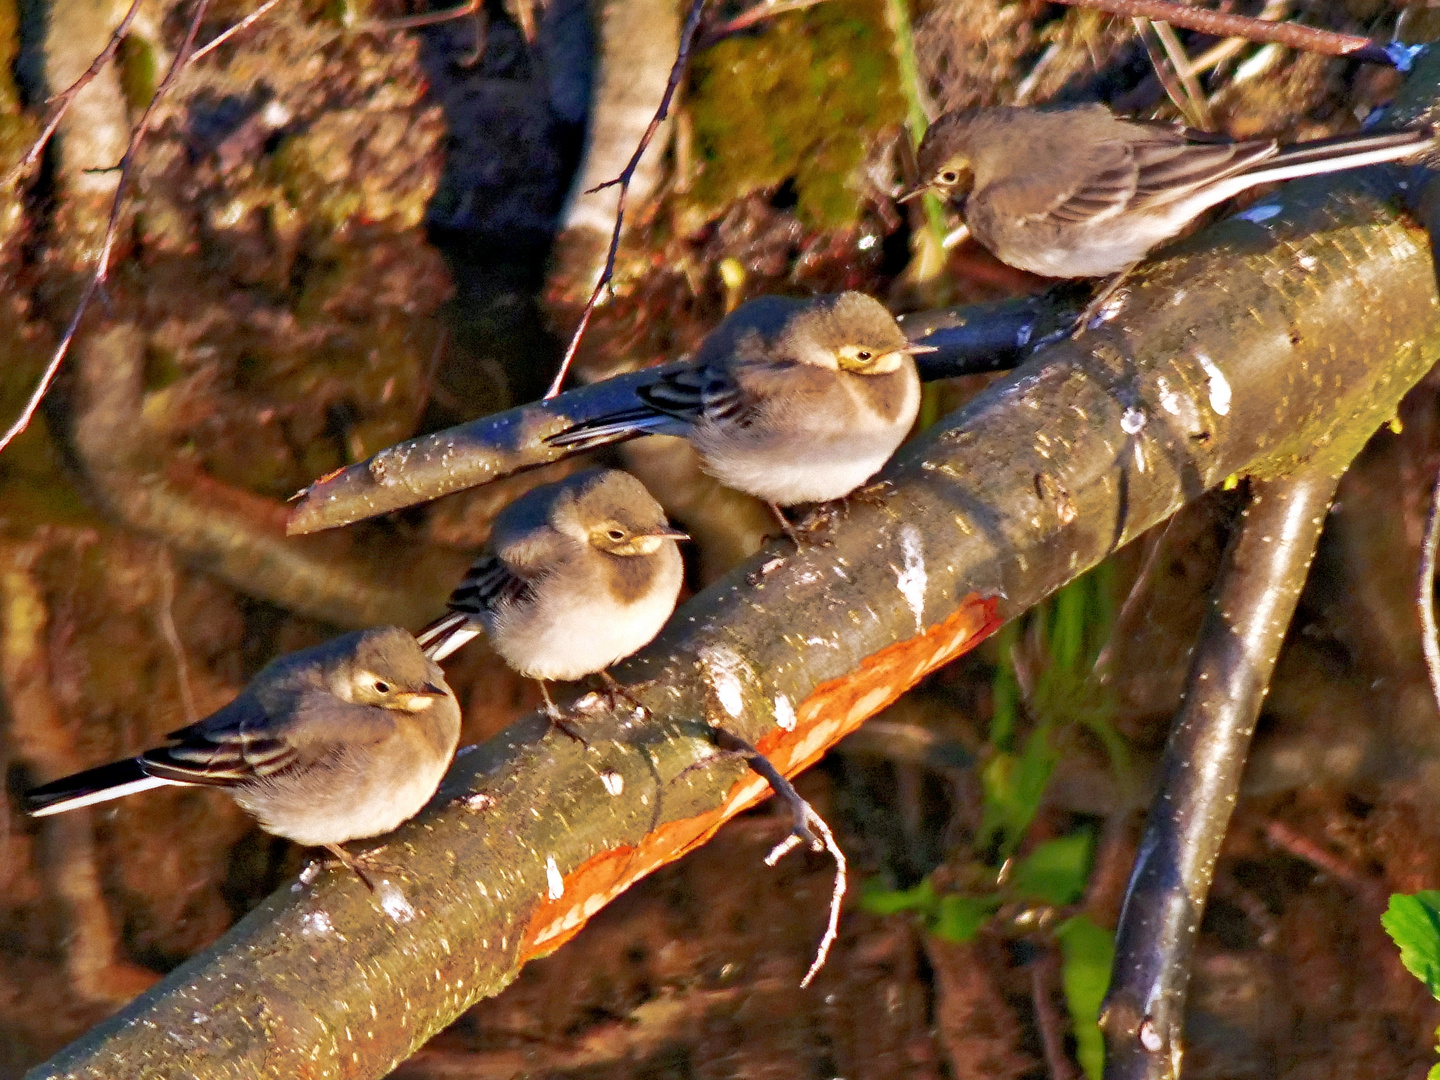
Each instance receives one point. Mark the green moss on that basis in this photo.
(16, 129)
(798, 102)
(137, 71)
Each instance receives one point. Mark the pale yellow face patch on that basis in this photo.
(868, 361)
(953, 176)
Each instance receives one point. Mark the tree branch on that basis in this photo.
(1292, 35)
(1144, 1012)
(986, 337)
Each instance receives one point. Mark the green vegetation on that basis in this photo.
(1061, 643)
(1413, 922)
(799, 102)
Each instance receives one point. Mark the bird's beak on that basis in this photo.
(668, 533)
(912, 193)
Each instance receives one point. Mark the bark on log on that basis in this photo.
(1241, 352)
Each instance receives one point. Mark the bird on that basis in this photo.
(577, 575)
(342, 741)
(1077, 192)
(789, 400)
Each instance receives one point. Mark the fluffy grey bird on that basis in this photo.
(338, 742)
(789, 400)
(577, 575)
(1077, 192)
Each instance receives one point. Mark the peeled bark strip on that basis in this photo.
(1144, 1013)
(1225, 360)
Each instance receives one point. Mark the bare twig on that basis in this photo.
(837, 894)
(60, 103)
(172, 635)
(746, 19)
(429, 18)
(1044, 974)
(1180, 61)
(1220, 24)
(1425, 595)
(187, 55)
(239, 28)
(1221, 51)
(677, 71)
(1296, 843)
(1165, 70)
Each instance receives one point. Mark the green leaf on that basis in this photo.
(1012, 787)
(878, 900)
(1056, 871)
(1005, 691)
(960, 918)
(1413, 923)
(1087, 954)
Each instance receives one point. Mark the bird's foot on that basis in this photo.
(1104, 305)
(557, 718)
(615, 692)
(815, 529)
(352, 863)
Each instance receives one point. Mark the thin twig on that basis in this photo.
(172, 635)
(677, 71)
(1425, 595)
(239, 28)
(1180, 61)
(1296, 843)
(187, 55)
(1044, 970)
(746, 19)
(429, 18)
(1169, 81)
(1218, 53)
(62, 101)
(1220, 24)
(837, 894)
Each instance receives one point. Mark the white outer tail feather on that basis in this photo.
(91, 798)
(445, 635)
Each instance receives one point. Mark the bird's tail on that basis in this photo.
(98, 785)
(617, 427)
(446, 634)
(1341, 152)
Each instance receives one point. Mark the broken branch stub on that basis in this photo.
(1223, 361)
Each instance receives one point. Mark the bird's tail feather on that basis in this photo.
(447, 634)
(1341, 152)
(617, 427)
(98, 785)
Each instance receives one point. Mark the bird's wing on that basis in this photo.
(735, 382)
(488, 584)
(1143, 167)
(244, 741)
(1175, 165)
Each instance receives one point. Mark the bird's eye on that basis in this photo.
(382, 687)
(949, 176)
(864, 354)
(616, 535)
